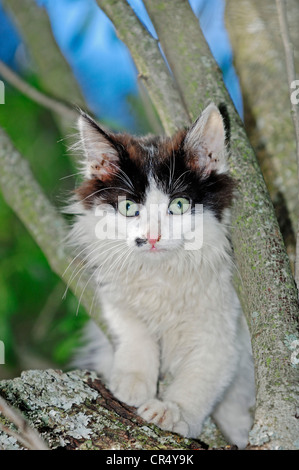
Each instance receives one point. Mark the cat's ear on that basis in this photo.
(101, 157)
(205, 142)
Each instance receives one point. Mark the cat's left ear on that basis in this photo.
(205, 142)
(101, 156)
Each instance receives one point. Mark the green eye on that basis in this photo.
(178, 206)
(128, 208)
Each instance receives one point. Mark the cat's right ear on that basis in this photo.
(205, 142)
(101, 157)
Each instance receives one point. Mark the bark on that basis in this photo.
(265, 283)
(47, 227)
(74, 410)
(260, 63)
(291, 75)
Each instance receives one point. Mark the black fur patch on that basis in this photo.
(165, 160)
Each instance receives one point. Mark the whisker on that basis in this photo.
(89, 279)
(104, 189)
(77, 269)
(128, 252)
(92, 261)
(113, 264)
(69, 176)
(175, 185)
(171, 167)
(126, 177)
(128, 266)
(82, 293)
(73, 275)
(74, 259)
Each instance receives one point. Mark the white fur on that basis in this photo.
(174, 312)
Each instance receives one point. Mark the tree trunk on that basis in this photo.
(260, 63)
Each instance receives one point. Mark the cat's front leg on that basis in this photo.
(135, 370)
(197, 385)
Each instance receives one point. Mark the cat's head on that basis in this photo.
(155, 193)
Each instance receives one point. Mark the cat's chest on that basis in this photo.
(158, 294)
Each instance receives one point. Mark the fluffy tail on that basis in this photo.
(96, 353)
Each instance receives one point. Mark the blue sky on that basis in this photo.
(102, 64)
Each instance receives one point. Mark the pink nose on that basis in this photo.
(153, 241)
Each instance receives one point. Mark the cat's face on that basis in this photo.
(156, 193)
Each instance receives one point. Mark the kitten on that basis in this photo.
(153, 218)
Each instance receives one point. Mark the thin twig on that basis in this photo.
(44, 100)
(26, 435)
(291, 74)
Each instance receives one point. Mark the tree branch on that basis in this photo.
(74, 410)
(46, 101)
(26, 435)
(43, 221)
(291, 73)
(151, 66)
(54, 73)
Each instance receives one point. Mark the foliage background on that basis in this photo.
(38, 326)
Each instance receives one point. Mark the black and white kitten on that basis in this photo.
(152, 218)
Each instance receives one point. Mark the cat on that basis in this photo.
(153, 220)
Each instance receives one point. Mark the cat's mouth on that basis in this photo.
(156, 249)
(153, 249)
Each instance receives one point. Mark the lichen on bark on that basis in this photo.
(74, 410)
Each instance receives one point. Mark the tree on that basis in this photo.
(254, 26)
(264, 281)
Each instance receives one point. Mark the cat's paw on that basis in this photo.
(131, 388)
(165, 414)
